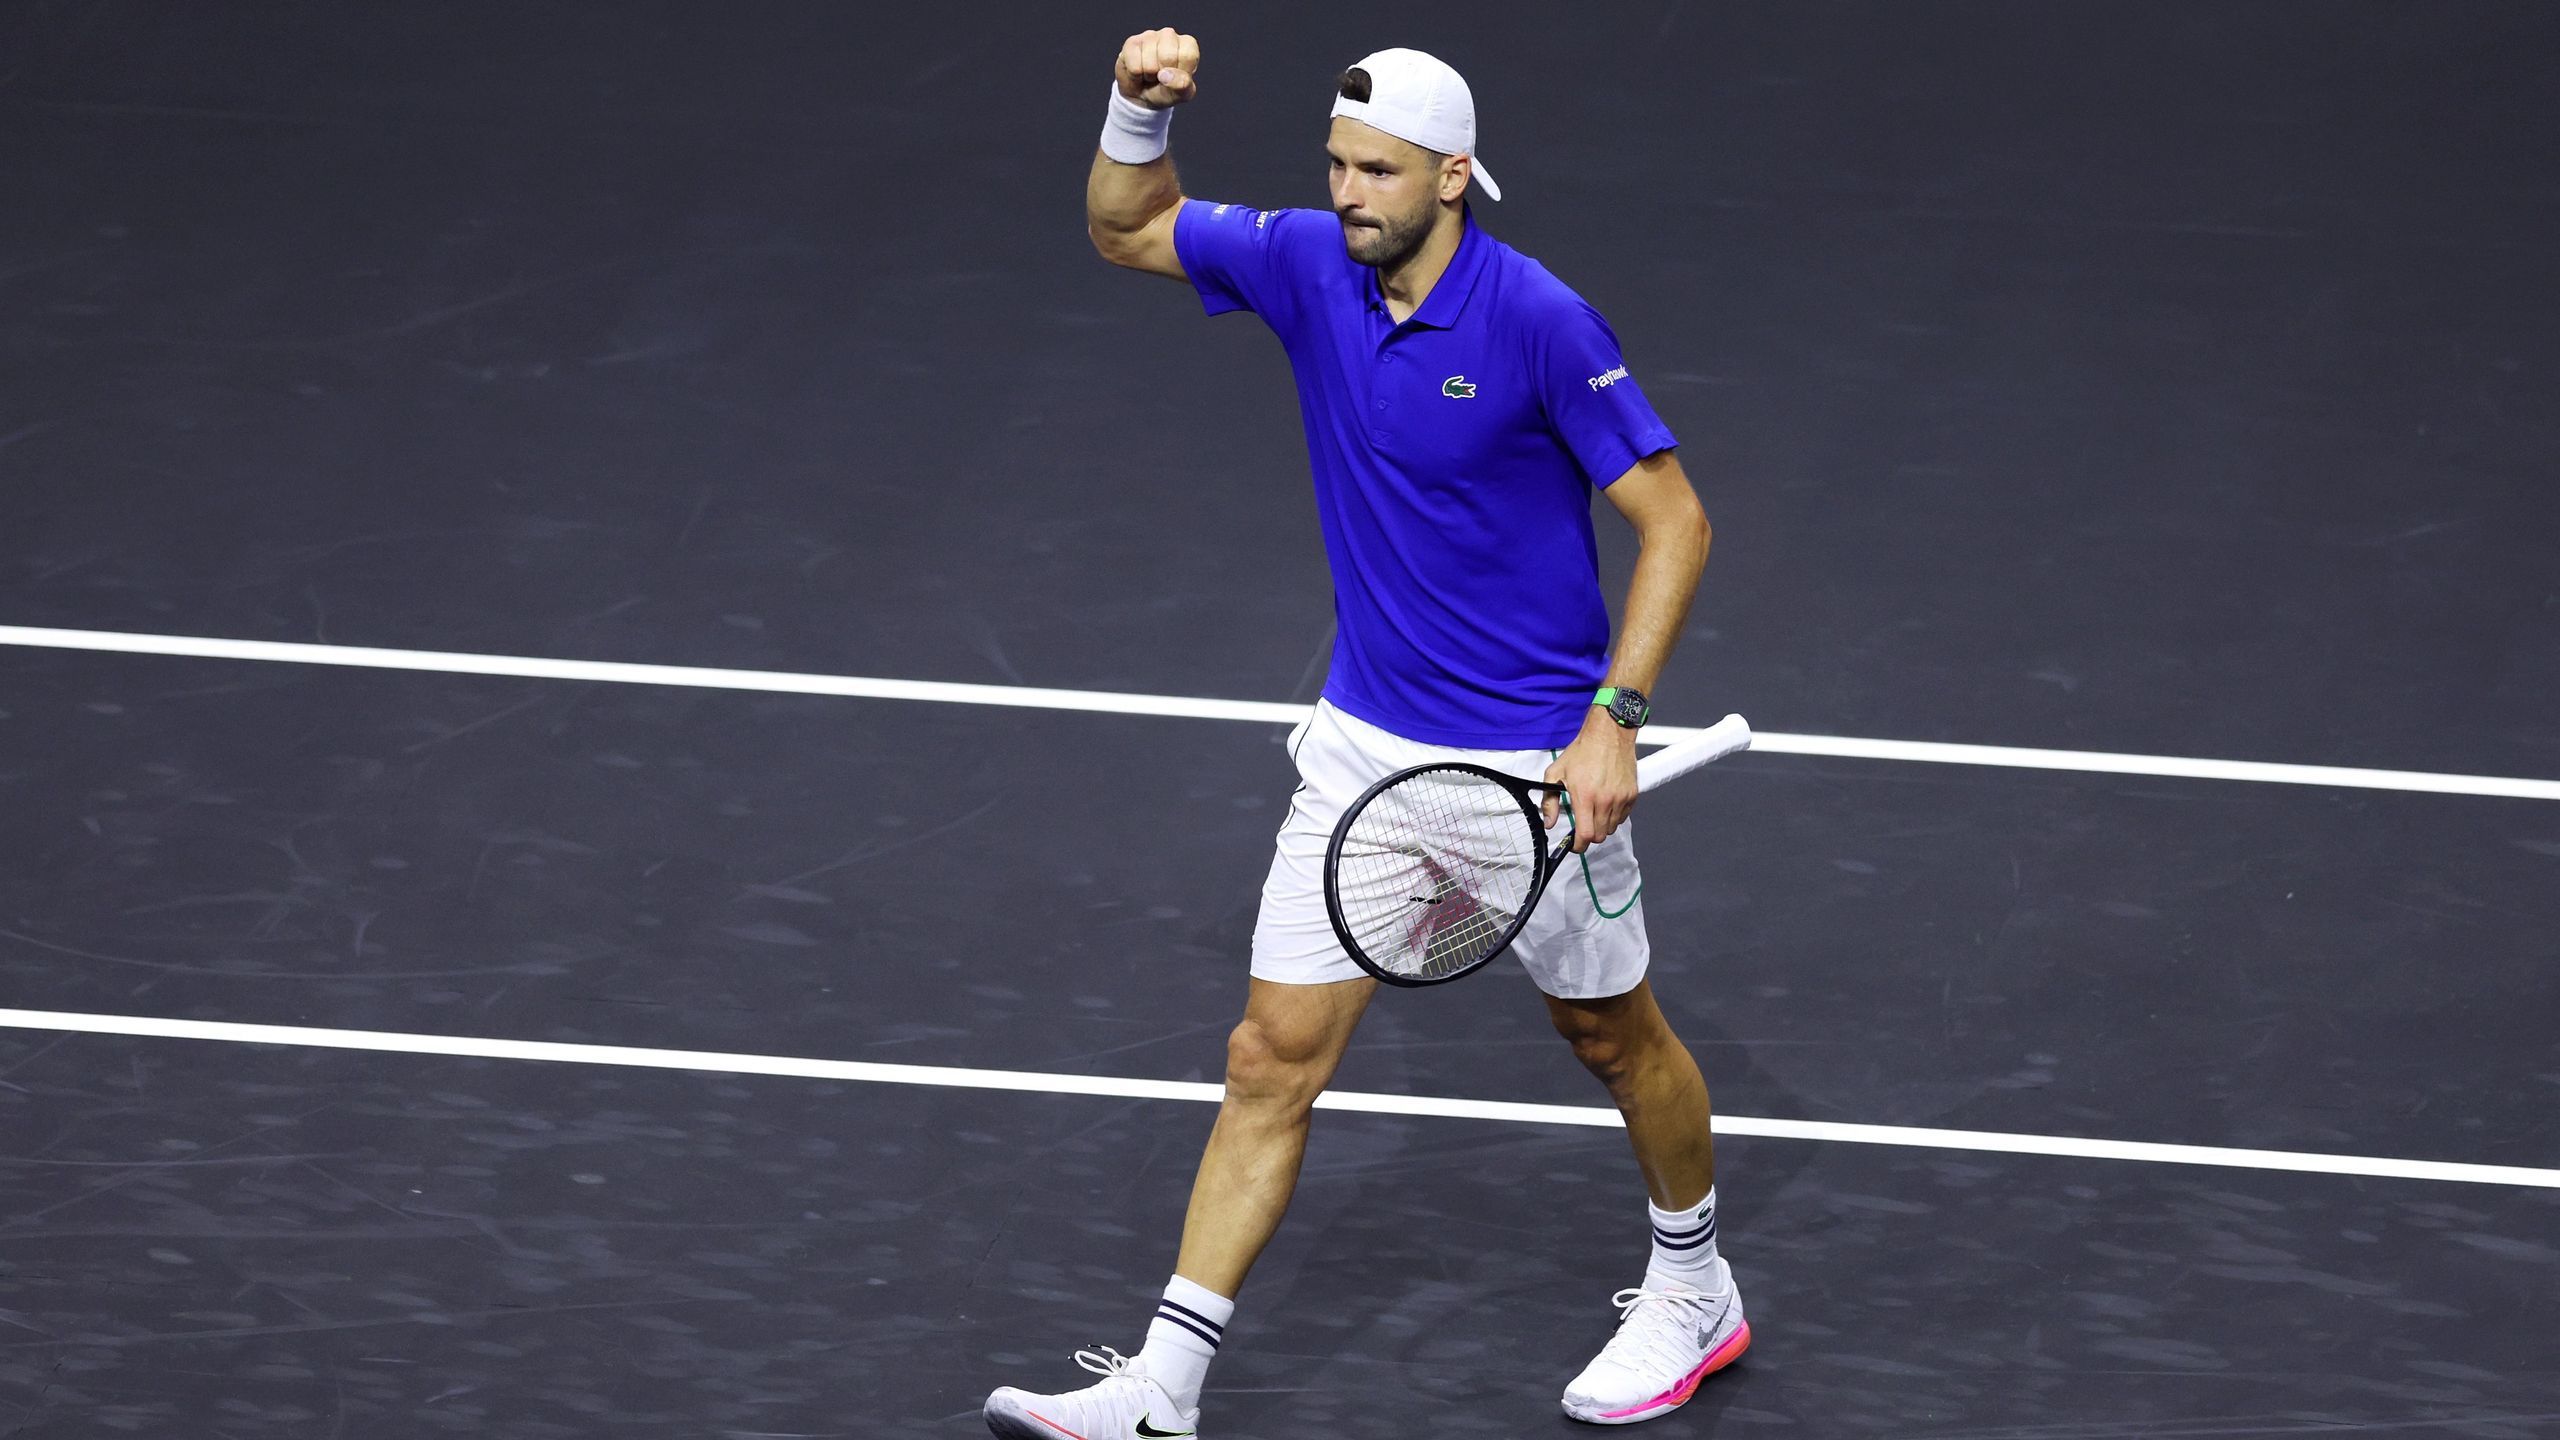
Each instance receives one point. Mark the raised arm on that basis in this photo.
(1132, 196)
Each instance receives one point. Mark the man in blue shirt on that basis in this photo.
(1461, 405)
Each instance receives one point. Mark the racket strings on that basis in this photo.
(1435, 871)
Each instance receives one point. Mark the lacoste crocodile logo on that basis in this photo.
(1458, 387)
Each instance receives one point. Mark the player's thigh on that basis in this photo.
(1586, 940)
(1293, 939)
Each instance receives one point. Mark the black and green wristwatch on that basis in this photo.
(1625, 704)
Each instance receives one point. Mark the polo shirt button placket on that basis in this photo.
(1379, 431)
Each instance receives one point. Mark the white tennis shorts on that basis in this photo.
(1585, 941)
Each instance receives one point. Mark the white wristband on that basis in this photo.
(1134, 134)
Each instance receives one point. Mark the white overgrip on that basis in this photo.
(1724, 737)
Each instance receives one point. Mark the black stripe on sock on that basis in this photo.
(1207, 1337)
(1667, 1233)
(1701, 1241)
(1180, 1308)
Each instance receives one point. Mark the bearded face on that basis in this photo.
(1386, 193)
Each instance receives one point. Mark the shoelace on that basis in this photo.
(1634, 1295)
(1661, 1341)
(1109, 1363)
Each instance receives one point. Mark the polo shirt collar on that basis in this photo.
(1440, 308)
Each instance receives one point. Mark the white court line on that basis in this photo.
(1033, 1082)
(1192, 707)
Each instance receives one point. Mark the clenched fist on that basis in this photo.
(1156, 68)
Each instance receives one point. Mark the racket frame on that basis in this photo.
(1532, 810)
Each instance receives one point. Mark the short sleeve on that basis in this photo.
(1591, 401)
(1240, 258)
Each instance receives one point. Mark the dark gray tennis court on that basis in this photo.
(2159, 380)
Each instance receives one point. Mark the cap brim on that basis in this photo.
(1476, 168)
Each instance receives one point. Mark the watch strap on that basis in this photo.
(1608, 698)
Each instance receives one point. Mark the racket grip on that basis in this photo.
(1672, 761)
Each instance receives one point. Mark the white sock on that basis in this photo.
(1684, 1243)
(1183, 1338)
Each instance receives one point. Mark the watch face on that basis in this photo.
(1629, 708)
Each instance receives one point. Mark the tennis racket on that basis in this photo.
(1433, 870)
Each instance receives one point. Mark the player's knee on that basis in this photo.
(1605, 1049)
(1607, 1057)
(1269, 1066)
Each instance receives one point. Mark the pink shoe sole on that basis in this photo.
(1678, 1395)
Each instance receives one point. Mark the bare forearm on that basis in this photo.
(1673, 553)
(1599, 768)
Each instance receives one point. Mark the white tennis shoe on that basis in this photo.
(1669, 1338)
(1129, 1404)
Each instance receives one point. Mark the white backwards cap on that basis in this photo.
(1417, 97)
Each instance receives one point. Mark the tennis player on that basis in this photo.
(1461, 405)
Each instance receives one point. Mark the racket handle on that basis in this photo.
(1675, 760)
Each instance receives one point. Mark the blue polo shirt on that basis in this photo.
(1454, 457)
